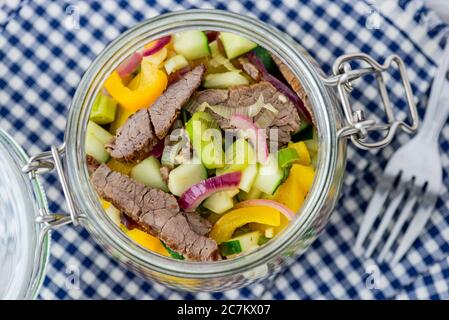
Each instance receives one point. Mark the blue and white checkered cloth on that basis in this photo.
(45, 47)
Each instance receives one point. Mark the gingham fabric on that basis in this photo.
(45, 47)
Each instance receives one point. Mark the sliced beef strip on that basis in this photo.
(166, 109)
(143, 130)
(164, 172)
(249, 68)
(92, 164)
(287, 120)
(295, 84)
(157, 213)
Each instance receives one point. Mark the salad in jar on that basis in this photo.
(201, 146)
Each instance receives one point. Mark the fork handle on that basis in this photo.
(438, 107)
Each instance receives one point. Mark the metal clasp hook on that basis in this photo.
(358, 126)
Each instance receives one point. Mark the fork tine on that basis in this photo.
(372, 212)
(386, 220)
(403, 216)
(414, 230)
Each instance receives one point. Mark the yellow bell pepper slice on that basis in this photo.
(146, 240)
(305, 175)
(228, 223)
(303, 152)
(119, 166)
(152, 83)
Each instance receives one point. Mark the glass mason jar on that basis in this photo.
(335, 120)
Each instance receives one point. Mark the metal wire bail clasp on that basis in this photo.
(46, 162)
(358, 126)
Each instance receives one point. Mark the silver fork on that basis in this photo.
(413, 177)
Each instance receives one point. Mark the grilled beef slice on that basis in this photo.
(294, 84)
(157, 213)
(249, 68)
(143, 130)
(92, 164)
(286, 121)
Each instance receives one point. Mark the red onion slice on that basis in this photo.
(158, 45)
(280, 86)
(197, 193)
(267, 203)
(158, 149)
(257, 136)
(129, 65)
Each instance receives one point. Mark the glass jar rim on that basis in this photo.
(272, 39)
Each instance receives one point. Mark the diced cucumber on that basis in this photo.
(287, 156)
(230, 247)
(235, 45)
(225, 80)
(241, 244)
(265, 57)
(248, 177)
(95, 148)
(175, 63)
(214, 49)
(254, 193)
(148, 172)
(212, 154)
(114, 214)
(219, 202)
(103, 110)
(238, 156)
(192, 44)
(184, 176)
(206, 140)
(102, 135)
(270, 175)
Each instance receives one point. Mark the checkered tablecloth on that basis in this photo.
(45, 47)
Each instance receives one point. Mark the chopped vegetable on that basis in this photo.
(148, 172)
(185, 176)
(218, 59)
(152, 83)
(265, 57)
(254, 193)
(302, 152)
(103, 136)
(156, 46)
(235, 45)
(96, 139)
(241, 244)
(193, 196)
(219, 202)
(192, 44)
(119, 166)
(172, 253)
(229, 222)
(103, 110)
(287, 157)
(270, 176)
(114, 214)
(226, 112)
(206, 140)
(248, 177)
(225, 80)
(175, 63)
(238, 156)
(129, 65)
(146, 240)
(256, 135)
(267, 203)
